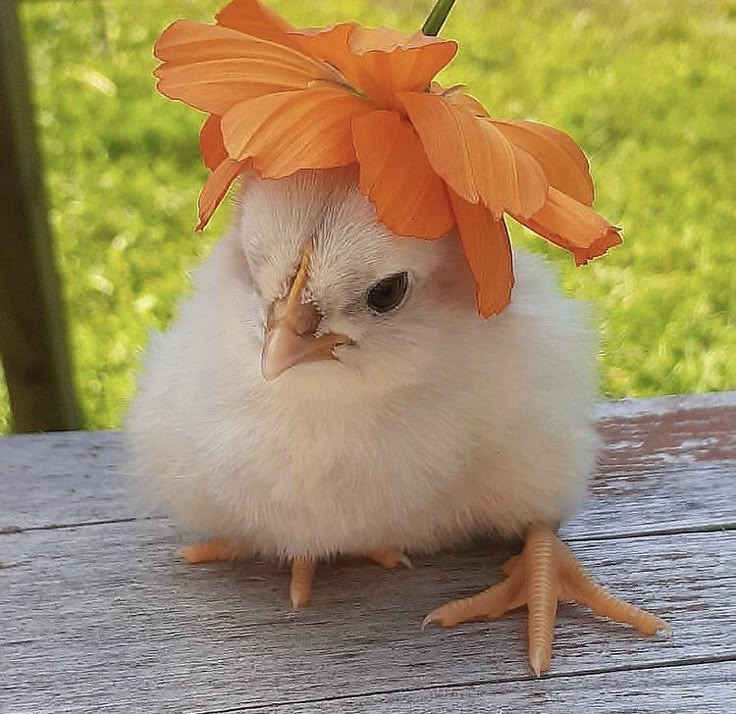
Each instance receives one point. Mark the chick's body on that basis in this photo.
(435, 425)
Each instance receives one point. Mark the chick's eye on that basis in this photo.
(387, 294)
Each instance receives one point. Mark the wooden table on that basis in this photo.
(99, 614)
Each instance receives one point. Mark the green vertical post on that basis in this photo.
(33, 340)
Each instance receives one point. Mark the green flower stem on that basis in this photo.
(437, 17)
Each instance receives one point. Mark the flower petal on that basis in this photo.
(488, 251)
(329, 44)
(216, 187)
(380, 62)
(473, 156)
(288, 131)
(211, 67)
(210, 142)
(460, 98)
(394, 173)
(562, 160)
(415, 58)
(252, 18)
(573, 226)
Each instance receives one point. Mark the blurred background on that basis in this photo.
(646, 87)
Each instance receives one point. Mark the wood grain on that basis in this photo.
(666, 466)
(98, 612)
(107, 614)
(659, 473)
(701, 689)
(61, 479)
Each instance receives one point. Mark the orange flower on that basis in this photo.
(282, 99)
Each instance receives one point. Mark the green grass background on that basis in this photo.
(647, 87)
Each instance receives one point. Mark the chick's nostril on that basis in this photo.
(306, 319)
(301, 318)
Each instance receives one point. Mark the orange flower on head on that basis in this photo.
(282, 99)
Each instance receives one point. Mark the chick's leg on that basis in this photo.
(544, 573)
(209, 551)
(212, 551)
(302, 569)
(302, 577)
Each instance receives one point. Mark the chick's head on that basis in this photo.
(340, 299)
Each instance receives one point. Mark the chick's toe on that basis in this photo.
(209, 551)
(389, 558)
(543, 574)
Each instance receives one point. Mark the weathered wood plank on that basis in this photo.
(33, 341)
(106, 614)
(670, 465)
(60, 479)
(704, 689)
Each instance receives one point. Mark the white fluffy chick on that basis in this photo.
(329, 389)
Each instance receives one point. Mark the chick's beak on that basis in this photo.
(291, 330)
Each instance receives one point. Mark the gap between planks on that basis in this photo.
(408, 705)
(594, 537)
(379, 639)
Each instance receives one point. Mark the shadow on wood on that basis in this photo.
(33, 341)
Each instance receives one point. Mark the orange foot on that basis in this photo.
(544, 573)
(302, 572)
(302, 569)
(209, 551)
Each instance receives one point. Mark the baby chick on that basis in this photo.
(330, 389)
